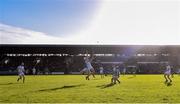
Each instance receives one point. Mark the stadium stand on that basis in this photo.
(68, 59)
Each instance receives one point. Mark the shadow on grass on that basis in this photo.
(106, 85)
(3, 101)
(131, 77)
(8, 83)
(95, 79)
(63, 87)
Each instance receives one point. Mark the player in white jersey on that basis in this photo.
(21, 71)
(34, 70)
(178, 71)
(89, 67)
(101, 71)
(86, 69)
(167, 74)
(124, 71)
(115, 75)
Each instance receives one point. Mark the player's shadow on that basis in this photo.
(96, 79)
(168, 84)
(8, 83)
(131, 77)
(106, 85)
(63, 87)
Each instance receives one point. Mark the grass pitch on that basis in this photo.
(75, 89)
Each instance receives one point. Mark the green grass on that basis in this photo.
(75, 89)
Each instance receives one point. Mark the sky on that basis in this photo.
(120, 22)
(55, 17)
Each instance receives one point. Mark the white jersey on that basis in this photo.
(116, 72)
(21, 70)
(101, 70)
(168, 69)
(88, 63)
(124, 70)
(34, 71)
(178, 71)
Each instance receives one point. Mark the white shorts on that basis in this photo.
(34, 71)
(101, 72)
(89, 67)
(115, 77)
(167, 73)
(21, 74)
(86, 70)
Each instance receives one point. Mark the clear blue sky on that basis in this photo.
(54, 17)
(88, 21)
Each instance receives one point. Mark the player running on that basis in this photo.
(21, 71)
(34, 71)
(124, 70)
(115, 75)
(178, 72)
(101, 71)
(172, 72)
(89, 67)
(167, 74)
(85, 70)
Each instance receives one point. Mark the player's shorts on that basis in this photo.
(167, 73)
(89, 66)
(115, 77)
(21, 74)
(101, 72)
(92, 69)
(86, 70)
(34, 72)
